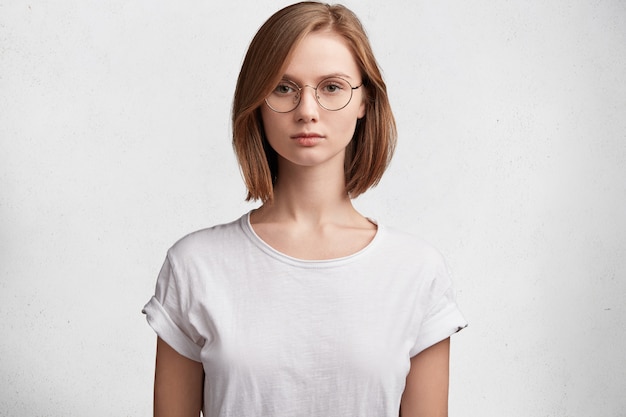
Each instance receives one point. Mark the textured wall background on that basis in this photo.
(512, 160)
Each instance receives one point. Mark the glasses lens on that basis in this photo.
(285, 97)
(334, 93)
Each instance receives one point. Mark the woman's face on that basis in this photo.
(310, 135)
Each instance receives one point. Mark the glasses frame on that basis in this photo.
(317, 99)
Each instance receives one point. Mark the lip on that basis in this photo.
(305, 135)
(307, 138)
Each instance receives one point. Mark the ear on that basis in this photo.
(361, 113)
(363, 105)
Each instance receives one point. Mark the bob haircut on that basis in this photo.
(373, 143)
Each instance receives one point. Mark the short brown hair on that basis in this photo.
(371, 148)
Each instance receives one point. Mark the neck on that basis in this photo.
(309, 194)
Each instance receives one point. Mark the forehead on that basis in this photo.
(321, 54)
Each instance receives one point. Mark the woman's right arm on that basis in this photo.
(178, 384)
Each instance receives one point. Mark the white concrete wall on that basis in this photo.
(115, 142)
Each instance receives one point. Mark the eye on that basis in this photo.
(333, 86)
(285, 88)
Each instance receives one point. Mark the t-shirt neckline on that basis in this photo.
(244, 221)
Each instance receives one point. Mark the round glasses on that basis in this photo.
(332, 94)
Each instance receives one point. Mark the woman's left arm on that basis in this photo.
(426, 391)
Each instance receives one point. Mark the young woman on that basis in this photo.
(304, 307)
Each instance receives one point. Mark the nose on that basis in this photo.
(308, 108)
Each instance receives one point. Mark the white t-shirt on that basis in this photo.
(280, 336)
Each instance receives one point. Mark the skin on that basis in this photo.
(178, 384)
(311, 217)
(426, 390)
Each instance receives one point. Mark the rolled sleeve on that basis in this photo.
(169, 313)
(167, 330)
(443, 320)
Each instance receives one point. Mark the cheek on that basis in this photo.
(345, 126)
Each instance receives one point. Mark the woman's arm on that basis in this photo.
(178, 384)
(426, 391)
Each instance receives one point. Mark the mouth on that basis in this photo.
(306, 136)
(307, 139)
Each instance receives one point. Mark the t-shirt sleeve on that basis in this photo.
(168, 314)
(443, 317)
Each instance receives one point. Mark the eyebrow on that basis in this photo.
(322, 77)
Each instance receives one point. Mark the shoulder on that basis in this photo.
(410, 247)
(413, 259)
(207, 241)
